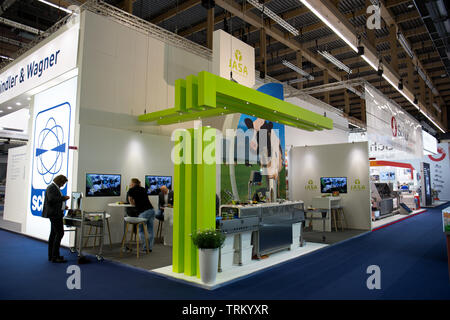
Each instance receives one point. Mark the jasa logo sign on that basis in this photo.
(311, 186)
(236, 64)
(357, 186)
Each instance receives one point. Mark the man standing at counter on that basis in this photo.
(54, 206)
(137, 196)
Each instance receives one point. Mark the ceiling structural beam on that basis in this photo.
(128, 6)
(392, 22)
(210, 28)
(254, 20)
(5, 6)
(174, 11)
(20, 26)
(334, 18)
(263, 52)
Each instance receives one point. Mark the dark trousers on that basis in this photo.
(56, 235)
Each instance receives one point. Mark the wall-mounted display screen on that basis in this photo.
(330, 184)
(153, 184)
(102, 185)
(387, 176)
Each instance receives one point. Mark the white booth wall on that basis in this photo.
(114, 151)
(298, 137)
(125, 73)
(349, 160)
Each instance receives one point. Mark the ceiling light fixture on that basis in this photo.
(274, 16)
(335, 61)
(56, 6)
(9, 108)
(405, 44)
(328, 23)
(6, 57)
(296, 81)
(297, 69)
(437, 107)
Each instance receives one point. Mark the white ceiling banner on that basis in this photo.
(392, 133)
(233, 55)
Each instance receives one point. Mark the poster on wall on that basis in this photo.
(392, 133)
(440, 171)
(264, 152)
(426, 199)
(52, 134)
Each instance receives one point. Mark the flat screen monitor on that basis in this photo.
(102, 185)
(330, 184)
(153, 184)
(387, 176)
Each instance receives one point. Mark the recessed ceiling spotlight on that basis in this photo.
(1, 111)
(28, 98)
(9, 108)
(18, 103)
(410, 6)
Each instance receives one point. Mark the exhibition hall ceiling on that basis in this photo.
(424, 24)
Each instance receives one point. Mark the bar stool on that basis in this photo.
(334, 219)
(134, 222)
(107, 216)
(341, 218)
(159, 231)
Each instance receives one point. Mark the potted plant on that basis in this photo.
(208, 242)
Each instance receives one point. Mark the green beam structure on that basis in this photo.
(203, 96)
(194, 195)
(208, 95)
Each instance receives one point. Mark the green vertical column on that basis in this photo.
(206, 178)
(178, 203)
(190, 251)
(194, 194)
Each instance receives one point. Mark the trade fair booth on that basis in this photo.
(113, 97)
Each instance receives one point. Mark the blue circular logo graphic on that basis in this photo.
(50, 150)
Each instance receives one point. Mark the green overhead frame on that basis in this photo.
(208, 95)
(194, 195)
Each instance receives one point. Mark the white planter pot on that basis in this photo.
(209, 263)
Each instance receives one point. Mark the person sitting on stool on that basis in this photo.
(54, 206)
(138, 197)
(165, 200)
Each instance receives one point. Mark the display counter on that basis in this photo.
(274, 223)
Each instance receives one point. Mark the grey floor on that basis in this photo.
(331, 237)
(161, 256)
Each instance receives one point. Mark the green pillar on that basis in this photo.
(194, 195)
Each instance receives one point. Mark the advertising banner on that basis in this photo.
(262, 150)
(440, 171)
(52, 134)
(392, 133)
(44, 64)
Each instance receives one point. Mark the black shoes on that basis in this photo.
(59, 259)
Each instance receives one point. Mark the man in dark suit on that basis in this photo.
(165, 199)
(54, 206)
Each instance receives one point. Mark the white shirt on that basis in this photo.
(166, 199)
(63, 206)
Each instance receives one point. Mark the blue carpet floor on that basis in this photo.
(411, 254)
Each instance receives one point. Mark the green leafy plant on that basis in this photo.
(208, 239)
